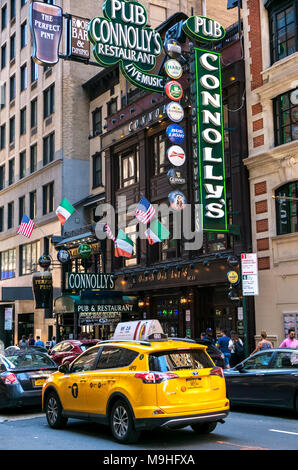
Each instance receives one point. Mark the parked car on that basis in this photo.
(216, 355)
(22, 375)
(70, 349)
(268, 378)
(11, 349)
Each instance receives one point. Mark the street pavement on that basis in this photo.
(243, 430)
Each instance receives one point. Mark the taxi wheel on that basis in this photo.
(203, 428)
(121, 423)
(53, 410)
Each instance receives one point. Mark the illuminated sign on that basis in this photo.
(174, 90)
(173, 69)
(203, 28)
(175, 133)
(210, 143)
(176, 155)
(121, 36)
(83, 281)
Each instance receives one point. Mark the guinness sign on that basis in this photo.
(86, 281)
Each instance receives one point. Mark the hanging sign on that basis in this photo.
(176, 177)
(44, 261)
(210, 144)
(177, 200)
(63, 256)
(84, 250)
(173, 69)
(175, 111)
(176, 155)
(174, 90)
(173, 48)
(203, 28)
(79, 41)
(43, 289)
(175, 133)
(233, 277)
(121, 36)
(46, 28)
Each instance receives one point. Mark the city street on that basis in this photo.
(243, 430)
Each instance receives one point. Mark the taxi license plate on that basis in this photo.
(39, 382)
(194, 383)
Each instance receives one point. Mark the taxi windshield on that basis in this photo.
(183, 359)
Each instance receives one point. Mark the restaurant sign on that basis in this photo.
(85, 281)
(203, 28)
(121, 36)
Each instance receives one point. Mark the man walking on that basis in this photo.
(223, 343)
(39, 342)
(290, 341)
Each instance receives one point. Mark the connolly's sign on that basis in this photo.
(121, 36)
(83, 281)
(203, 28)
(210, 148)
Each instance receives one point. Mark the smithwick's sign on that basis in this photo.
(84, 281)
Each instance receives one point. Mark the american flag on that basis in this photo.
(26, 227)
(144, 211)
(109, 232)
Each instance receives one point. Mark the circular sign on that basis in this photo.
(63, 256)
(84, 250)
(44, 261)
(173, 48)
(176, 155)
(233, 277)
(174, 90)
(177, 200)
(173, 68)
(175, 133)
(175, 111)
(294, 97)
(176, 177)
(233, 260)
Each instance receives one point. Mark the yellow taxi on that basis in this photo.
(137, 382)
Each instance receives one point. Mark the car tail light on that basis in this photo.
(217, 371)
(10, 379)
(155, 377)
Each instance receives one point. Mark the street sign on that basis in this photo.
(249, 274)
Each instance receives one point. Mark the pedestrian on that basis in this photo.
(223, 343)
(290, 341)
(39, 342)
(209, 336)
(31, 340)
(53, 342)
(23, 343)
(263, 343)
(236, 348)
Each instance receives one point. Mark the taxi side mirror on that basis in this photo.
(64, 368)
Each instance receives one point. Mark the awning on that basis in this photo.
(65, 304)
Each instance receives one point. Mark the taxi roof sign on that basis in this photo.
(138, 331)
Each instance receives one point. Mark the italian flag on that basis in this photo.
(64, 211)
(156, 232)
(123, 245)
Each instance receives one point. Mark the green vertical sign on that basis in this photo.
(210, 141)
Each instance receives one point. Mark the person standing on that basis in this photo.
(31, 340)
(236, 348)
(23, 343)
(290, 341)
(209, 336)
(39, 342)
(263, 344)
(53, 342)
(223, 343)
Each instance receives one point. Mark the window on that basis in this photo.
(34, 113)
(125, 220)
(23, 2)
(114, 357)
(1, 219)
(159, 154)
(49, 101)
(85, 362)
(32, 205)
(286, 360)
(2, 136)
(112, 107)
(3, 56)
(96, 170)
(261, 361)
(11, 168)
(8, 264)
(128, 167)
(10, 215)
(29, 255)
(23, 121)
(97, 122)
(48, 148)
(286, 117)
(11, 130)
(21, 208)
(3, 96)
(48, 198)
(24, 77)
(34, 71)
(283, 30)
(12, 9)
(4, 17)
(2, 177)
(12, 47)
(23, 35)
(12, 87)
(173, 360)
(33, 158)
(287, 208)
(22, 164)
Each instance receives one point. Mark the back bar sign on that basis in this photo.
(210, 141)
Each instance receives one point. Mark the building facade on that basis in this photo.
(270, 46)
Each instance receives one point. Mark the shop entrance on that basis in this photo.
(25, 325)
(167, 310)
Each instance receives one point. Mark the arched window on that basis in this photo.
(287, 208)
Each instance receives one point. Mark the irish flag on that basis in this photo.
(156, 232)
(123, 245)
(64, 211)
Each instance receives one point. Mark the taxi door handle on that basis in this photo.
(83, 380)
